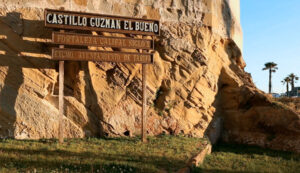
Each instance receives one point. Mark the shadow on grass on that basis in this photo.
(122, 139)
(202, 170)
(250, 150)
(47, 166)
(229, 158)
(67, 159)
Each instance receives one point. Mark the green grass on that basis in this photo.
(240, 158)
(98, 155)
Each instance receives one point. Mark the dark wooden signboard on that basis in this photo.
(61, 19)
(104, 56)
(97, 22)
(100, 41)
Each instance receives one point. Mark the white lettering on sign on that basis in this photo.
(84, 21)
(102, 22)
(107, 23)
(60, 21)
(71, 20)
(126, 25)
(66, 18)
(118, 24)
(130, 26)
(151, 27)
(48, 18)
(92, 22)
(156, 28)
(54, 20)
(113, 25)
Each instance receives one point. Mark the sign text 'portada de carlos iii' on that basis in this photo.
(97, 22)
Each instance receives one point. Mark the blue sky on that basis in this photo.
(271, 31)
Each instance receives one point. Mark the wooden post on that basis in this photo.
(144, 103)
(61, 99)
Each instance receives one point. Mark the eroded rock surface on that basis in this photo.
(251, 117)
(197, 80)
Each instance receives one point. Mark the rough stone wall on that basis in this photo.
(197, 61)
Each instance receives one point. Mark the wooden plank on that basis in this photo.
(61, 99)
(105, 56)
(144, 103)
(100, 41)
(96, 22)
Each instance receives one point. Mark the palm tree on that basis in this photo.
(294, 79)
(272, 67)
(287, 81)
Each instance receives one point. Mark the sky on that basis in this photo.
(271, 31)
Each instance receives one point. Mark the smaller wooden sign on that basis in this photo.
(100, 41)
(104, 56)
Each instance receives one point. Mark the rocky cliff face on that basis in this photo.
(196, 83)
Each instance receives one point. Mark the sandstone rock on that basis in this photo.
(196, 82)
(251, 117)
(294, 103)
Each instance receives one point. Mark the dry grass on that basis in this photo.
(293, 103)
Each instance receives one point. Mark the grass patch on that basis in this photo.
(240, 158)
(168, 153)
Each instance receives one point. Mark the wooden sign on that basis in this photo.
(96, 22)
(105, 56)
(100, 41)
(62, 20)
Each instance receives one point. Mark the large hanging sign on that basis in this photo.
(97, 22)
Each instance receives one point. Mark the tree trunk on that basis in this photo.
(293, 85)
(287, 89)
(270, 80)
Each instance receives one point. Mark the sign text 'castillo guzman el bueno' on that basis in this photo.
(89, 21)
